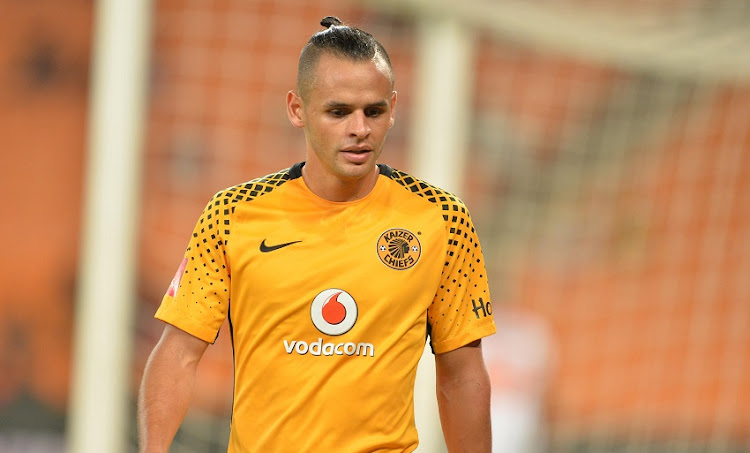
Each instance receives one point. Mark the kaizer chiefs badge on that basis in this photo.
(399, 249)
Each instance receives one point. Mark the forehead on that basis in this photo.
(340, 77)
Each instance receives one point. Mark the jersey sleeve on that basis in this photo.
(461, 311)
(197, 300)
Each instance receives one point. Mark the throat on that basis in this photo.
(336, 188)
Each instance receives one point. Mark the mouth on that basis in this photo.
(357, 154)
(357, 149)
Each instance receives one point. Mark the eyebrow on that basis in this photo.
(337, 104)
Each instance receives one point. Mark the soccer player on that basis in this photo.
(333, 273)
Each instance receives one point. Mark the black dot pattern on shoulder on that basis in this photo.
(463, 285)
(204, 290)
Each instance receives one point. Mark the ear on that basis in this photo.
(294, 109)
(393, 109)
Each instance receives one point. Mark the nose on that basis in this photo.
(359, 126)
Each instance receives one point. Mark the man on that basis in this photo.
(332, 272)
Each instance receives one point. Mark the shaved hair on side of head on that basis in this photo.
(342, 41)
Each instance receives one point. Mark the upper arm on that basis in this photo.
(463, 395)
(181, 346)
(461, 364)
(198, 298)
(461, 310)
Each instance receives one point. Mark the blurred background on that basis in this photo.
(603, 148)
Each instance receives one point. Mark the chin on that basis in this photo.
(356, 171)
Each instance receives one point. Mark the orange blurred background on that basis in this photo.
(636, 260)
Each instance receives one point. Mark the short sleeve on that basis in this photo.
(197, 300)
(461, 311)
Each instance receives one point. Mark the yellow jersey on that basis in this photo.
(330, 305)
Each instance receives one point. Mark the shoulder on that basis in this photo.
(451, 206)
(255, 188)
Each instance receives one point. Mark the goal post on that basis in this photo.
(106, 299)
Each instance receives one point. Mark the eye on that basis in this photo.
(338, 113)
(373, 112)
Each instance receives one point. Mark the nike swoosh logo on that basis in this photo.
(270, 248)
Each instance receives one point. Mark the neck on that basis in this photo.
(335, 189)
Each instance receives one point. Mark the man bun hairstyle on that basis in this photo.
(330, 21)
(342, 41)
